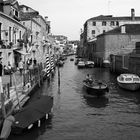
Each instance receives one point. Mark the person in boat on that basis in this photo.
(89, 80)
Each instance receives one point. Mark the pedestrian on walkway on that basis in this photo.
(20, 66)
(9, 68)
(1, 71)
(28, 63)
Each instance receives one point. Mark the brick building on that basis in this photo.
(121, 40)
(101, 24)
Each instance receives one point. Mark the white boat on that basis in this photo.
(89, 64)
(106, 63)
(129, 81)
(81, 64)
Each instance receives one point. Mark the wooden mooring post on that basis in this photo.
(58, 79)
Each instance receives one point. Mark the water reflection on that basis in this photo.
(97, 102)
(132, 96)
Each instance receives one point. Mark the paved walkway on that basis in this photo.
(17, 92)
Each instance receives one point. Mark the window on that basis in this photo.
(94, 23)
(16, 13)
(117, 23)
(0, 54)
(112, 23)
(31, 38)
(10, 29)
(93, 31)
(104, 23)
(0, 30)
(26, 8)
(128, 79)
(103, 31)
(19, 34)
(136, 79)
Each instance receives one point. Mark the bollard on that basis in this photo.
(10, 79)
(8, 90)
(39, 123)
(47, 116)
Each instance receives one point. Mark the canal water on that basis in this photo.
(75, 117)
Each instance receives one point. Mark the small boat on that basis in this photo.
(81, 64)
(96, 88)
(129, 81)
(89, 64)
(72, 59)
(106, 63)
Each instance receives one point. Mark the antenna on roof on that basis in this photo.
(109, 2)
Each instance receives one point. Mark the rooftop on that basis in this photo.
(110, 17)
(129, 29)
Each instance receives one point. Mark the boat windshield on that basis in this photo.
(121, 78)
(136, 79)
(128, 79)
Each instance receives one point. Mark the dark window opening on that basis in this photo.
(104, 23)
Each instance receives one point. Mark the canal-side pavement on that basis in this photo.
(16, 89)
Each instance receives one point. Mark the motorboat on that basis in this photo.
(129, 81)
(106, 63)
(89, 64)
(96, 88)
(81, 64)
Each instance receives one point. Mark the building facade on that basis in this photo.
(104, 23)
(121, 40)
(11, 31)
(38, 29)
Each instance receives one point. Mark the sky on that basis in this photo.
(68, 16)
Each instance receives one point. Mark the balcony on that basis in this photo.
(4, 44)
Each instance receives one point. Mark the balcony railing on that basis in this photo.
(9, 45)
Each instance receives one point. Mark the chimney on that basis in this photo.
(133, 14)
(123, 30)
(46, 18)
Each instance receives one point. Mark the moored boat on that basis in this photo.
(96, 88)
(32, 114)
(129, 81)
(81, 64)
(106, 63)
(89, 64)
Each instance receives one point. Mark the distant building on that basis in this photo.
(100, 24)
(38, 30)
(74, 45)
(61, 41)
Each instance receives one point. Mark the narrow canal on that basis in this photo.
(113, 117)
